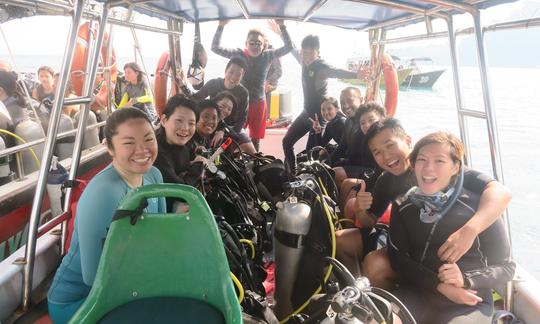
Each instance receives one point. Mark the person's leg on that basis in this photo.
(61, 313)
(245, 143)
(257, 121)
(378, 269)
(350, 249)
(345, 192)
(452, 313)
(340, 175)
(294, 133)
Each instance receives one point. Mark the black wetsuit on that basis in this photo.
(332, 131)
(390, 188)
(174, 162)
(237, 119)
(486, 265)
(314, 83)
(257, 66)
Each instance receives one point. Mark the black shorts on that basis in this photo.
(241, 137)
(374, 238)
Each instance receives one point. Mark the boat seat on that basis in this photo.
(162, 267)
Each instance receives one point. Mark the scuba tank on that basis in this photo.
(293, 221)
(6, 175)
(91, 136)
(30, 130)
(64, 146)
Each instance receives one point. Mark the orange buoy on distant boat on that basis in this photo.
(78, 66)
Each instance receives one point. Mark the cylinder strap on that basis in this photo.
(289, 239)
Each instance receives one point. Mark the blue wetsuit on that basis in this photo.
(95, 210)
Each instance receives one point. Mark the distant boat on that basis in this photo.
(418, 79)
(354, 61)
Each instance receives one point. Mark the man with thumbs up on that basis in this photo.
(391, 146)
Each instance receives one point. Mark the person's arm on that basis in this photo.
(216, 47)
(493, 201)
(287, 43)
(400, 260)
(94, 214)
(146, 98)
(242, 113)
(203, 92)
(274, 73)
(369, 207)
(495, 244)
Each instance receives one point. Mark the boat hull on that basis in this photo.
(421, 80)
(402, 75)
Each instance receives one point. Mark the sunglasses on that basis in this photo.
(255, 43)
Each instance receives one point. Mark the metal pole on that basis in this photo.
(83, 115)
(457, 89)
(493, 133)
(47, 155)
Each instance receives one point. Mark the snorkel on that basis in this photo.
(434, 207)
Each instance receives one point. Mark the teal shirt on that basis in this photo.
(95, 210)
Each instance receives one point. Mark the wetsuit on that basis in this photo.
(314, 83)
(332, 131)
(237, 119)
(143, 99)
(485, 266)
(390, 188)
(174, 162)
(353, 154)
(41, 94)
(95, 210)
(254, 78)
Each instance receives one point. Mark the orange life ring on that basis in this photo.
(391, 85)
(78, 66)
(161, 78)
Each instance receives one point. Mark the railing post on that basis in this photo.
(54, 121)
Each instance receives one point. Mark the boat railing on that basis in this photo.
(28, 145)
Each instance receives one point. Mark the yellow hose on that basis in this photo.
(250, 244)
(328, 271)
(24, 142)
(239, 287)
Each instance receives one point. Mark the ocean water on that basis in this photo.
(516, 98)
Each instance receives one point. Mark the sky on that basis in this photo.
(47, 35)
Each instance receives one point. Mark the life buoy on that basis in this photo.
(391, 85)
(78, 66)
(161, 78)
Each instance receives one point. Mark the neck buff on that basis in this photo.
(433, 207)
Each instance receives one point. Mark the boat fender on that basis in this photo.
(391, 85)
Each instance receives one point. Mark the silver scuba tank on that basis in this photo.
(6, 175)
(91, 136)
(293, 220)
(64, 146)
(30, 131)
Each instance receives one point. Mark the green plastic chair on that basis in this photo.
(164, 268)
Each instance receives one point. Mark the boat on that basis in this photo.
(354, 61)
(25, 273)
(418, 78)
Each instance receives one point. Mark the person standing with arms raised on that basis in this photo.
(259, 59)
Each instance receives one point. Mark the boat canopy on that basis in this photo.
(349, 14)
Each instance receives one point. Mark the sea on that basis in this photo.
(515, 97)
